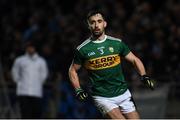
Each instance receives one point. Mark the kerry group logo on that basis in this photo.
(103, 62)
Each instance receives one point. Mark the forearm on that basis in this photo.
(80, 93)
(73, 76)
(140, 69)
(139, 66)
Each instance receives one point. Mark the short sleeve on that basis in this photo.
(78, 59)
(124, 49)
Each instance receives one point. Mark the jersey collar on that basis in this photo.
(100, 41)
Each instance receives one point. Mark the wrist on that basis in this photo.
(144, 77)
(78, 89)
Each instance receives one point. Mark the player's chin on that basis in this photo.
(97, 33)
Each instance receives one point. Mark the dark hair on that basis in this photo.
(94, 12)
(30, 44)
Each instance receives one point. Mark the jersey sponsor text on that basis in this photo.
(103, 62)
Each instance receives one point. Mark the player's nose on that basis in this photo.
(96, 25)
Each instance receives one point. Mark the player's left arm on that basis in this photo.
(137, 63)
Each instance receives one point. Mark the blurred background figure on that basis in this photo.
(29, 72)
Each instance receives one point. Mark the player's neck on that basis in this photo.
(99, 38)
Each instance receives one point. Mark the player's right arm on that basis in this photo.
(73, 76)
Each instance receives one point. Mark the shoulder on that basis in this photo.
(83, 44)
(20, 58)
(114, 39)
(41, 59)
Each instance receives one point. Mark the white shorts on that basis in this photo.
(124, 101)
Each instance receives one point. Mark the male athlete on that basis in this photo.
(101, 55)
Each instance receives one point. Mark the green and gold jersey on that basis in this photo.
(102, 59)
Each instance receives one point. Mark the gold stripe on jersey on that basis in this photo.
(103, 62)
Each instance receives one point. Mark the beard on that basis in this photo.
(97, 33)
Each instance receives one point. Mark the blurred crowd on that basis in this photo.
(151, 28)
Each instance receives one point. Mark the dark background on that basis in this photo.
(150, 28)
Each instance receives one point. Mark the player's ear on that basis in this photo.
(105, 24)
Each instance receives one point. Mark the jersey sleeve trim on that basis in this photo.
(83, 44)
(113, 38)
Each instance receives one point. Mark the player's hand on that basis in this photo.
(148, 81)
(81, 94)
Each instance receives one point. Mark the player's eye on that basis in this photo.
(100, 21)
(92, 22)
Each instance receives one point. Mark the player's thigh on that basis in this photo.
(115, 114)
(132, 115)
(108, 107)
